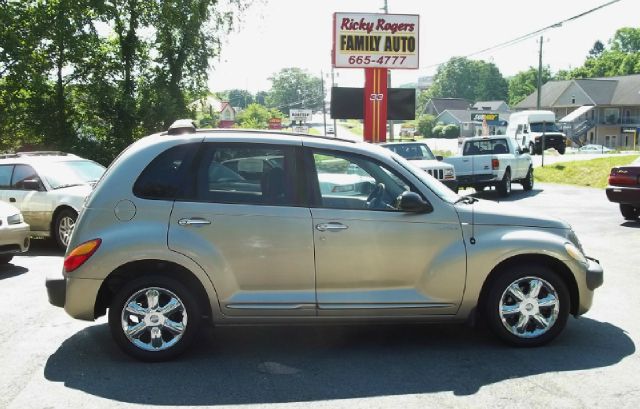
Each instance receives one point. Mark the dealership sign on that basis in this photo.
(362, 40)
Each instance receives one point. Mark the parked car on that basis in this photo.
(49, 188)
(163, 252)
(14, 233)
(594, 149)
(493, 161)
(421, 156)
(624, 188)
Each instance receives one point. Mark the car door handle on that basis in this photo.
(196, 221)
(333, 226)
(12, 199)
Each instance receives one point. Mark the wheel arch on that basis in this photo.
(134, 269)
(552, 263)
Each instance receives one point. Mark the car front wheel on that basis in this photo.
(154, 318)
(64, 224)
(527, 305)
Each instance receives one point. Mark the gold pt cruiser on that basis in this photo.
(257, 227)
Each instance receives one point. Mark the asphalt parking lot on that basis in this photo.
(49, 360)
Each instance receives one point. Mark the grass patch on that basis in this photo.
(593, 173)
(354, 126)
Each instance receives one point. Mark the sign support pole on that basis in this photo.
(375, 104)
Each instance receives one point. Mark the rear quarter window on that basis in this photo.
(165, 177)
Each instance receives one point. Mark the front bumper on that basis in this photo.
(450, 183)
(56, 291)
(595, 274)
(625, 195)
(14, 238)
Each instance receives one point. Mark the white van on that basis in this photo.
(527, 128)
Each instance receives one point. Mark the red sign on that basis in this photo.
(275, 123)
(375, 105)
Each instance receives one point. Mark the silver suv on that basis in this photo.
(172, 237)
(49, 189)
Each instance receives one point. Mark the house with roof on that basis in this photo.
(494, 106)
(211, 104)
(603, 111)
(436, 106)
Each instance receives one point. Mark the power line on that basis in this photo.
(532, 34)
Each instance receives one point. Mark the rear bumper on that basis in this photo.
(625, 195)
(56, 291)
(478, 179)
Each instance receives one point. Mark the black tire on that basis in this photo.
(532, 149)
(504, 187)
(629, 212)
(63, 227)
(5, 259)
(562, 150)
(167, 289)
(527, 182)
(500, 298)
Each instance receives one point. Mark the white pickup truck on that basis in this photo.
(492, 161)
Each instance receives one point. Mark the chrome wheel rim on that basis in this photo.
(65, 228)
(531, 178)
(529, 307)
(508, 184)
(154, 319)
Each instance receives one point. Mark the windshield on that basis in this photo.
(412, 151)
(71, 173)
(544, 127)
(432, 183)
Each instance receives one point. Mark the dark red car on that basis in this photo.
(624, 188)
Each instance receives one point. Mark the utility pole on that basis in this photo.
(324, 105)
(539, 74)
(389, 123)
(333, 84)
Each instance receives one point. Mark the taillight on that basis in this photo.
(79, 255)
(622, 178)
(495, 164)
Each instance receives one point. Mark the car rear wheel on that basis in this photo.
(527, 305)
(532, 149)
(64, 224)
(629, 212)
(5, 259)
(154, 318)
(504, 188)
(527, 182)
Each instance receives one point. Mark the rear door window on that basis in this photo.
(5, 176)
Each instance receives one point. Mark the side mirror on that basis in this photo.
(31, 184)
(439, 158)
(413, 202)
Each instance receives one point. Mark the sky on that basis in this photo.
(275, 34)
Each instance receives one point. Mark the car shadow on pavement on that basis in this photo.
(634, 225)
(43, 247)
(9, 270)
(516, 194)
(259, 365)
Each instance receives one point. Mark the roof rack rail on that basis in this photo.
(182, 126)
(32, 153)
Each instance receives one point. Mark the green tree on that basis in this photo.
(626, 40)
(239, 98)
(596, 50)
(425, 125)
(261, 97)
(295, 88)
(257, 116)
(526, 82)
(469, 79)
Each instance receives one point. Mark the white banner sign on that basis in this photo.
(300, 115)
(300, 129)
(363, 40)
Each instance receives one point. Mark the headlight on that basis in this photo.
(575, 253)
(15, 219)
(449, 173)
